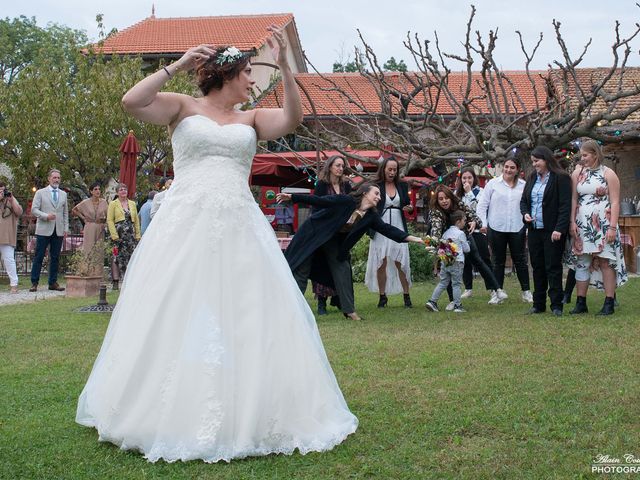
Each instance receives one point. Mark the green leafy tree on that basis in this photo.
(392, 66)
(345, 67)
(63, 110)
(22, 43)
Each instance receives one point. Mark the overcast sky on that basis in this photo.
(327, 28)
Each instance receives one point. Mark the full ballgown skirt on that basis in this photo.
(212, 352)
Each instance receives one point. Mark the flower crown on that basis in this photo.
(230, 55)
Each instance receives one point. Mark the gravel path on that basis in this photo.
(25, 296)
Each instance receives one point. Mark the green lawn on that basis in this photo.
(491, 393)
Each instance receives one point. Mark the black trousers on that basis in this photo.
(516, 242)
(340, 271)
(546, 263)
(473, 256)
(483, 251)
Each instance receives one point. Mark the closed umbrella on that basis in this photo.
(129, 151)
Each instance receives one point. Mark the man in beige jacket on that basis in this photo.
(50, 208)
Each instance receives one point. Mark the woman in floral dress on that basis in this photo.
(594, 228)
(124, 229)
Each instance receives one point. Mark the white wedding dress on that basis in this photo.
(212, 352)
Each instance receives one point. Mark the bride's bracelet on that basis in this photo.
(168, 72)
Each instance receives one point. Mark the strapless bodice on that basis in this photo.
(212, 162)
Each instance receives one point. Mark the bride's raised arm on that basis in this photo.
(272, 123)
(144, 100)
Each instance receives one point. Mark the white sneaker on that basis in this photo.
(502, 295)
(527, 297)
(467, 294)
(431, 305)
(494, 300)
(458, 309)
(450, 307)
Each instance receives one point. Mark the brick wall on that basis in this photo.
(627, 167)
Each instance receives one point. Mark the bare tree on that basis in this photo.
(435, 117)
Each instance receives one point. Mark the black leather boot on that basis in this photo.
(607, 308)
(382, 302)
(322, 305)
(581, 306)
(407, 301)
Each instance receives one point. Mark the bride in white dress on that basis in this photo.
(212, 352)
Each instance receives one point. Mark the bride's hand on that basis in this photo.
(283, 197)
(195, 57)
(279, 47)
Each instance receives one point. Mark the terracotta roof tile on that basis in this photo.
(588, 76)
(177, 35)
(329, 102)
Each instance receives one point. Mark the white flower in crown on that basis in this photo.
(231, 54)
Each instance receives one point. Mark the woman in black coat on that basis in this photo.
(545, 208)
(331, 181)
(320, 248)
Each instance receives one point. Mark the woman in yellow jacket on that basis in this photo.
(124, 228)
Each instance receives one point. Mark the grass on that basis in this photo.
(491, 393)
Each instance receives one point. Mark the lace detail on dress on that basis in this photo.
(209, 183)
(211, 419)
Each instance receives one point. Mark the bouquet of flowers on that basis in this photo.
(430, 242)
(447, 252)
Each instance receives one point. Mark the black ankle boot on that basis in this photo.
(322, 305)
(607, 308)
(383, 301)
(566, 298)
(407, 301)
(581, 306)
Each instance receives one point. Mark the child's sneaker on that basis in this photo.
(458, 309)
(450, 307)
(433, 306)
(502, 295)
(494, 300)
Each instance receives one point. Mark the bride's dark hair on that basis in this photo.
(214, 72)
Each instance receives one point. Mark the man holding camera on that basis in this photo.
(50, 208)
(10, 211)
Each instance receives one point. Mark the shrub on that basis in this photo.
(89, 264)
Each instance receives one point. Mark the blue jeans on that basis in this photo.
(54, 243)
(450, 277)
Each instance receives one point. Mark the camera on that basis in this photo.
(7, 193)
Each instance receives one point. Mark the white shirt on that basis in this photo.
(458, 237)
(499, 205)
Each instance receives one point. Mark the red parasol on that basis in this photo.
(129, 151)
